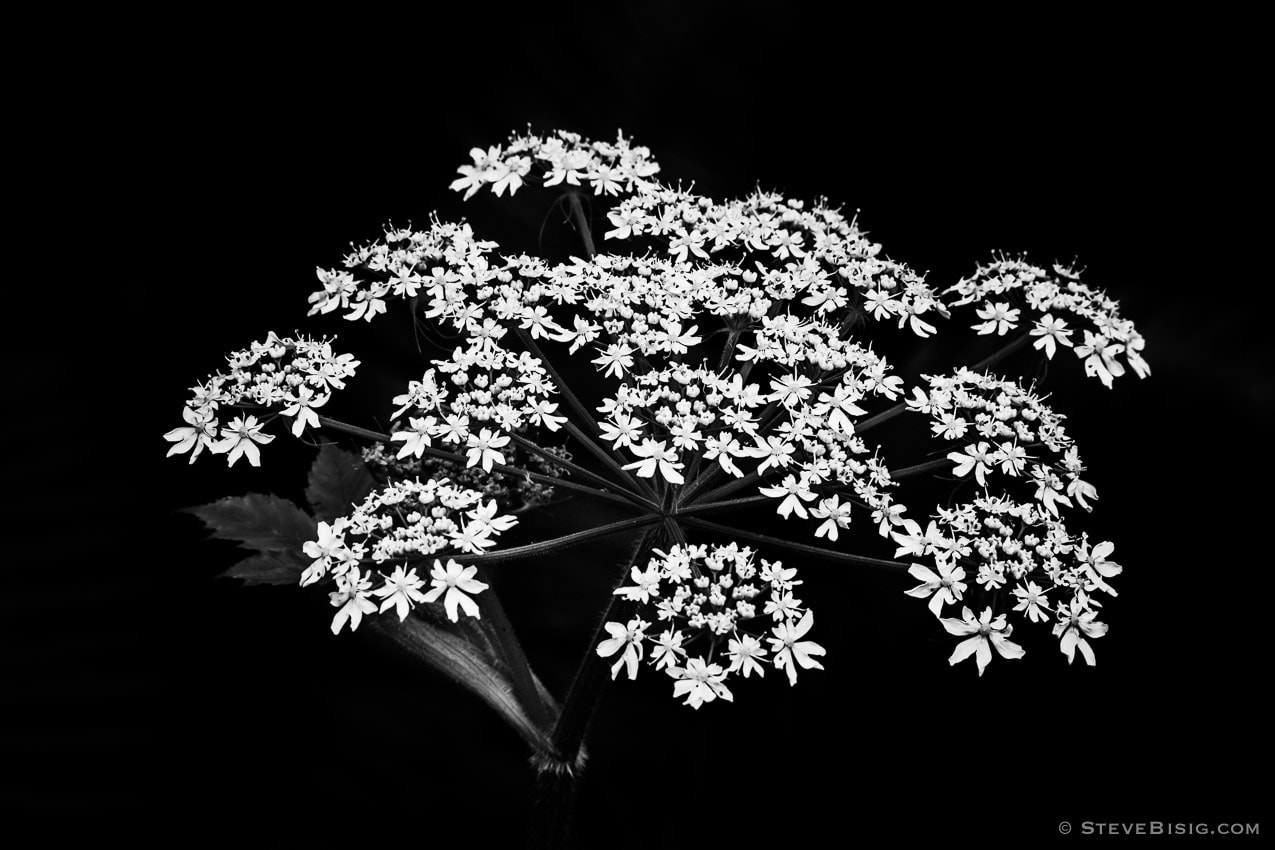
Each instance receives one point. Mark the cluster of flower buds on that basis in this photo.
(719, 615)
(295, 376)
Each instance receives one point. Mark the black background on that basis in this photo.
(188, 185)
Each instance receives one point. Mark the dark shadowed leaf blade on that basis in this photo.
(338, 482)
(262, 522)
(280, 567)
(468, 666)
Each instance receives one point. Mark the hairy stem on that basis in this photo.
(591, 677)
(986, 363)
(609, 459)
(779, 542)
(506, 470)
(560, 385)
(580, 471)
(586, 418)
(557, 544)
(558, 774)
(919, 469)
(730, 487)
(519, 670)
(706, 507)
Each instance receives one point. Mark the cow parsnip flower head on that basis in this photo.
(721, 357)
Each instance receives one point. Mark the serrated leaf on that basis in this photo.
(280, 567)
(338, 481)
(470, 667)
(259, 521)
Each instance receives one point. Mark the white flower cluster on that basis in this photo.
(1107, 336)
(404, 520)
(1003, 421)
(296, 374)
(813, 253)
(472, 399)
(558, 159)
(431, 268)
(638, 314)
(729, 343)
(705, 598)
(1006, 548)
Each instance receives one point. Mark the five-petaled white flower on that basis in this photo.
(835, 515)
(1000, 318)
(301, 405)
(791, 651)
(1074, 625)
(400, 590)
(416, 438)
(746, 654)
(1032, 601)
(646, 583)
(945, 587)
(241, 438)
(794, 492)
(456, 581)
(329, 547)
(1097, 567)
(975, 458)
(981, 636)
(1052, 332)
(482, 449)
(656, 454)
(700, 682)
(622, 431)
(625, 640)
(200, 433)
(351, 597)
(668, 649)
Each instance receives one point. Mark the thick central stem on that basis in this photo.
(558, 773)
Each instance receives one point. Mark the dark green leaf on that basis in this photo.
(338, 482)
(269, 568)
(262, 522)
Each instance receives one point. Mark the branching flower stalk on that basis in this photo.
(730, 347)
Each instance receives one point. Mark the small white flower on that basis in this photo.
(1075, 625)
(400, 591)
(351, 597)
(483, 449)
(700, 682)
(945, 587)
(626, 641)
(791, 651)
(656, 454)
(456, 581)
(241, 439)
(981, 636)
